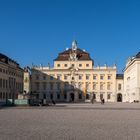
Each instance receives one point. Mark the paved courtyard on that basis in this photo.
(112, 121)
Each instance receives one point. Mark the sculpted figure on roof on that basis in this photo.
(74, 45)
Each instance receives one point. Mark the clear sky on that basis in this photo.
(35, 31)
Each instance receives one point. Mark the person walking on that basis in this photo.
(53, 102)
(92, 99)
(102, 101)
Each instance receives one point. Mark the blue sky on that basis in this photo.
(35, 31)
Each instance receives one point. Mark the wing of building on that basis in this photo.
(132, 79)
(74, 78)
(11, 79)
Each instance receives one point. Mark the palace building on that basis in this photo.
(11, 79)
(74, 78)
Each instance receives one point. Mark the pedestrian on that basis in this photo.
(53, 102)
(103, 100)
(92, 100)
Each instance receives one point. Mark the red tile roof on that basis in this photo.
(81, 55)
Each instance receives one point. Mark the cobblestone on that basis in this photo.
(111, 121)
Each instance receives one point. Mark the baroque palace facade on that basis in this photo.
(74, 78)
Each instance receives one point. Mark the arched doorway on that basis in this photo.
(72, 97)
(119, 97)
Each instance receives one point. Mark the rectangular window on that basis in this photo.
(51, 96)
(87, 86)
(3, 83)
(119, 86)
(37, 77)
(58, 77)
(3, 70)
(0, 95)
(66, 85)
(44, 77)
(51, 86)
(101, 77)
(80, 95)
(37, 86)
(101, 86)
(94, 95)
(58, 86)
(58, 96)
(108, 86)
(80, 77)
(44, 96)
(80, 85)
(4, 95)
(6, 82)
(51, 77)
(101, 95)
(109, 77)
(44, 86)
(87, 77)
(65, 96)
(65, 77)
(0, 83)
(94, 86)
(108, 96)
(94, 77)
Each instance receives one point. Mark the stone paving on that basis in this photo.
(112, 121)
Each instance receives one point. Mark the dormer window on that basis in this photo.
(58, 65)
(65, 65)
(80, 65)
(72, 65)
(87, 65)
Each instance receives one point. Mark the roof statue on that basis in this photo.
(74, 45)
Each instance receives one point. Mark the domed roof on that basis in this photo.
(80, 54)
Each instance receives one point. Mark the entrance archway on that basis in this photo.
(72, 97)
(119, 97)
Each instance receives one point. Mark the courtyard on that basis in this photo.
(81, 121)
